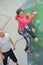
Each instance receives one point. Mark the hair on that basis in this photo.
(18, 11)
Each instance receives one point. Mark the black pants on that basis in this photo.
(11, 55)
(24, 32)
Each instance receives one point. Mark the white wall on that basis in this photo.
(8, 8)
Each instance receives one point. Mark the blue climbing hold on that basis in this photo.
(38, 22)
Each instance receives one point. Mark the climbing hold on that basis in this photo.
(38, 22)
(34, 12)
(37, 2)
(36, 55)
(32, 62)
(33, 30)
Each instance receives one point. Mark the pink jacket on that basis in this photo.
(22, 21)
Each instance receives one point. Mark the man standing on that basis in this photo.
(5, 49)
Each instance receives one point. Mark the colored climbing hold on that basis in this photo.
(36, 55)
(38, 22)
(32, 62)
(34, 12)
(33, 30)
(36, 2)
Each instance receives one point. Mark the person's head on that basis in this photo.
(20, 12)
(1, 33)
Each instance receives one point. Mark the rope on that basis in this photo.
(6, 23)
(18, 40)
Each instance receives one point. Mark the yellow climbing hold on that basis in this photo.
(33, 30)
(36, 55)
(37, 2)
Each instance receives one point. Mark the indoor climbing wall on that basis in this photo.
(37, 24)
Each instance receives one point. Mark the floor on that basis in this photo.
(9, 24)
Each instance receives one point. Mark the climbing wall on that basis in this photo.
(37, 47)
(36, 58)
